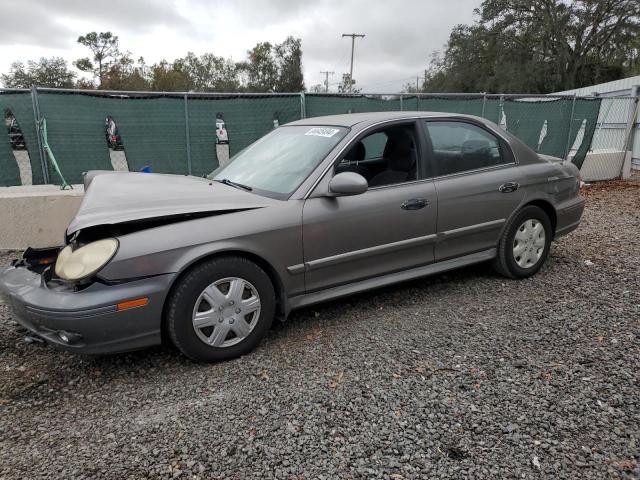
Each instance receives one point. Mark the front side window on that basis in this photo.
(386, 157)
(460, 147)
(278, 163)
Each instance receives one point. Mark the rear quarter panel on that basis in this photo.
(556, 183)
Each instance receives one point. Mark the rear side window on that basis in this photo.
(460, 147)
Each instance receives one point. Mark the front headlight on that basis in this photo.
(86, 260)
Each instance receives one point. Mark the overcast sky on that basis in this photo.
(400, 35)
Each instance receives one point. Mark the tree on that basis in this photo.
(165, 79)
(208, 73)
(268, 68)
(124, 74)
(347, 85)
(634, 57)
(47, 72)
(104, 50)
(273, 68)
(260, 68)
(288, 57)
(539, 46)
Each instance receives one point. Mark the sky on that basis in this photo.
(400, 35)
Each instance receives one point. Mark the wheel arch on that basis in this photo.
(282, 309)
(548, 208)
(500, 263)
(545, 205)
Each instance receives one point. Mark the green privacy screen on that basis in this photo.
(246, 119)
(76, 134)
(20, 105)
(152, 131)
(319, 105)
(488, 107)
(9, 171)
(176, 133)
(586, 111)
(544, 124)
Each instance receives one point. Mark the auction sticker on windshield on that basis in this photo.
(322, 132)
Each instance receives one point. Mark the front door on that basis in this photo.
(389, 228)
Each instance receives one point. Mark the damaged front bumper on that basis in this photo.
(87, 320)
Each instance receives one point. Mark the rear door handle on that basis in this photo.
(508, 187)
(414, 204)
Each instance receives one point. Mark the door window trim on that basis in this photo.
(419, 137)
(345, 148)
(503, 145)
(380, 128)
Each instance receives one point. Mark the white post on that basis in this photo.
(630, 132)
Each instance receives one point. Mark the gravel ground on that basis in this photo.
(463, 375)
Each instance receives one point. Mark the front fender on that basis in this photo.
(275, 237)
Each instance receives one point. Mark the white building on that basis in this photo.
(618, 123)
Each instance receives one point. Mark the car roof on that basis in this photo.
(351, 119)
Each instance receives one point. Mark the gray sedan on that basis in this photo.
(317, 209)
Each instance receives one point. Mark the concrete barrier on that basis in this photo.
(603, 164)
(37, 215)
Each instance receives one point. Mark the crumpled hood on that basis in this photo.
(127, 196)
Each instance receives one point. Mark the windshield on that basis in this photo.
(279, 162)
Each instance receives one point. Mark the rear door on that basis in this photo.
(477, 182)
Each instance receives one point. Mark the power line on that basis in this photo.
(353, 41)
(326, 79)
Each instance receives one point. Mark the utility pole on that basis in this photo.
(353, 41)
(326, 80)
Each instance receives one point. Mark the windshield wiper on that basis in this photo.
(226, 181)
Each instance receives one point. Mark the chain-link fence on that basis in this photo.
(192, 133)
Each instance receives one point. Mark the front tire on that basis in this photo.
(220, 309)
(525, 243)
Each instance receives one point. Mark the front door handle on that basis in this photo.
(508, 187)
(414, 204)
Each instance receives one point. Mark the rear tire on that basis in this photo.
(525, 243)
(220, 309)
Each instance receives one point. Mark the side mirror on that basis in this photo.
(348, 183)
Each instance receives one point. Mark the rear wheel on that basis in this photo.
(221, 309)
(525, 243)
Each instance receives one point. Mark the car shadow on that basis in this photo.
(56, 369)
(398, 292)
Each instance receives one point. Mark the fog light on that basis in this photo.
(68, 337)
